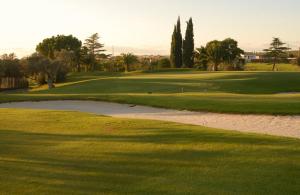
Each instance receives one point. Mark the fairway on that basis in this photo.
(225, 92)
(52, 152)
(269, 67)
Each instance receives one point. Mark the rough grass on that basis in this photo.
(51, 152)
(230, 92)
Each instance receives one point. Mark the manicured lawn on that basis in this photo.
(230, 92)
(269, 67)
(51, 152)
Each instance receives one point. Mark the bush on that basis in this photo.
(164, 63)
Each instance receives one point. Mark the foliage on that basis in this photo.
(49, 46)
(188, 45)
(215, 53)
(201, 58)
(40, 68)
(276, 51)
(66, 46)
(164, 63)
(226, 52)
(232, 52)
(176, 46)
(128, 60)
(10, 66)
(92, 51)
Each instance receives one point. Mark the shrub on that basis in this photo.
(164, 63)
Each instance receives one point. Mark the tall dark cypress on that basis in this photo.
(178, 45)
(173, 48)
(189, 45)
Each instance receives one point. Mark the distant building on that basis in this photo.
(249, 56)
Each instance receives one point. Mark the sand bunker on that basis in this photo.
(288, 126)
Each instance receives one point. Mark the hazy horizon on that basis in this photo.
(144, 26)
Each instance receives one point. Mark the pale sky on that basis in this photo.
(145, 26)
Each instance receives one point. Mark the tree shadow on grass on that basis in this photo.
(171, 158)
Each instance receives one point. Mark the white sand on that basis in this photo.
(287, 126)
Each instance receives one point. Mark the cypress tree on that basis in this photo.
(178, 45)
(173, 48)
(189, 45)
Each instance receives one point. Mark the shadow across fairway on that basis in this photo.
(177, 161)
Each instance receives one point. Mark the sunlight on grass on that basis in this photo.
(68, 152)
(229, 92)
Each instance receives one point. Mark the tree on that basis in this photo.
(231, 53)
(128, 59)
(173, 48)
(176, 46)
(164, 63)
(189, 45)
(201, 58)
(231, 50)
(38, 66)
(50, 46)
(94, 49)
(276, 51)
(10, 66)
(215, 53)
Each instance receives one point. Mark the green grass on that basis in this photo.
(51, 152)
(229, 92)
(269, 67)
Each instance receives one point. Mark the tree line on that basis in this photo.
(58, 55)
(54, 58)
(184, 55)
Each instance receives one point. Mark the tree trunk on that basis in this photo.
(126, 68)
(50, 84)
(78, 68)
(215, 67)
(274, 64)
(50, 81)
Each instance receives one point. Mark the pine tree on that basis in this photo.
(173, 48)
(178, 45)
(189, 45)
(94, 49)
(277, 51)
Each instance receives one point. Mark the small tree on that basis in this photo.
(128, 60)
(276, 51)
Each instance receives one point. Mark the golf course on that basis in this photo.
(222, 92)
(69, 152)
(140, 97)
